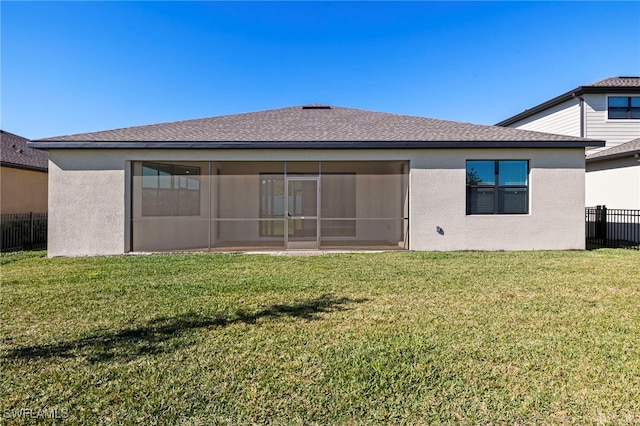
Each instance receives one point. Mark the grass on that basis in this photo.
(401, 338)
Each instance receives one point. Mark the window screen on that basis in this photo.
(170, 190)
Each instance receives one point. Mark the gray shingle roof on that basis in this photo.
(622, 150)
(15, 152)
(311, 124)
(617, 82)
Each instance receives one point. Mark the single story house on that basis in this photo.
(23, 176)
(613, 177)
(314, 177)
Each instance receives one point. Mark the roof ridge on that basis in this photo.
(137, 126)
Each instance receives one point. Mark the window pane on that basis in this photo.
(617, 113)
(480, 200)
(481, 173)
(167, 190)
(271, 196)
(635, 107)
(193, 184)
(182, 182)
(513, 173)
(303, 229)
(618, 101)
(303, 198)
(512, 201)
(272, 228)
(149, 177)
(165, 179)
(619, 107)
(272, 201)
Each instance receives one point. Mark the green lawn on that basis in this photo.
(402, 338)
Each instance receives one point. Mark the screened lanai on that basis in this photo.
(269, 205)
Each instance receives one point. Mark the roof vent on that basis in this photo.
(316, 107)
(628, 77)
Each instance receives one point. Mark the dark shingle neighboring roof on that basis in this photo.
(618, 151)
(608, 85)
(304, 126)
(617, 82)
(14, 152)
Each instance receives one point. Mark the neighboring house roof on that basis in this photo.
(14, 152)
(623, 150)
(608, 85)
(621, 82)
(313, 126)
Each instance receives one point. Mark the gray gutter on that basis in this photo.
(578, 91)
(24, 167)
(312, 144)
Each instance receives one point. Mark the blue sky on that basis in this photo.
(72, 67)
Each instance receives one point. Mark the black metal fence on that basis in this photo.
(23, 231)
(612, 227)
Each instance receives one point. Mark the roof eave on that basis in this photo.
(314, 144)
(24, 167)
(617, 156)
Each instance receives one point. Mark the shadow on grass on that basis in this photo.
(622, 245)
(7, 257)
(165, 334)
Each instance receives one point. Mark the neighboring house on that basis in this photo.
(613, 177)
(608, 109)
(314, 177)
(23, 176)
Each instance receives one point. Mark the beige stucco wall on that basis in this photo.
(614, 183)
(89, 206)
(87, 202)
(22, 191)
(556, 203)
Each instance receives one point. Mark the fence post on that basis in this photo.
(31, 230)
(601, 223)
